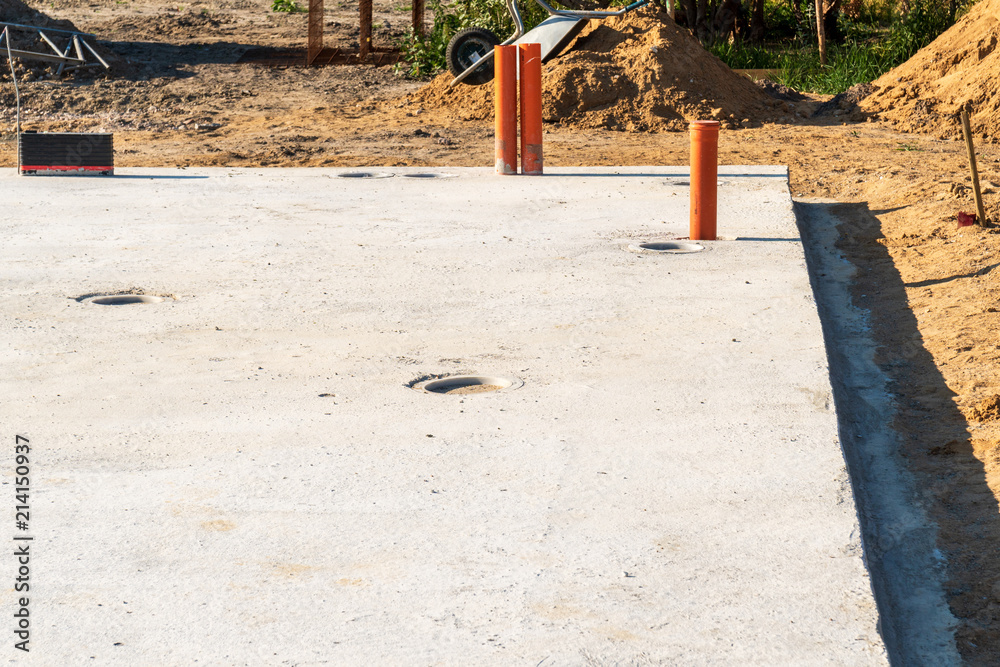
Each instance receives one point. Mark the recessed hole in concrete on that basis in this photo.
(124, 299)
(365, 174)
(689, 183)
(670, 247)
(430, 175)
(468, 384)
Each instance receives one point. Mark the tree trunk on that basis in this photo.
(691, 14)
(757, 21)
(800, 19)
(701, 24)
(725, 18)
(831, 28)
(820, 32)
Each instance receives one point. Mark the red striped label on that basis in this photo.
(60, 167)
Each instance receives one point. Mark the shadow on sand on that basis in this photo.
(929, 521)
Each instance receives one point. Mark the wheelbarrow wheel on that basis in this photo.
(468, 47)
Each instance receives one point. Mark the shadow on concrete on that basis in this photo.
(683, 174)
(935, 441)
(895, 413)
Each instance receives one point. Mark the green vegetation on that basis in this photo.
(872, 39)
(865, 38)
(289, 6)
(426, 55)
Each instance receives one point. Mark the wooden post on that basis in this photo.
(672, 9)
(365, 36)
(821, 31)
(418, 18)
(967, 131)
(315, 31)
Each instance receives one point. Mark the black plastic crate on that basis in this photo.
(66, 153)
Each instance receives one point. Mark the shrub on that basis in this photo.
(424, 56)
(289, 6)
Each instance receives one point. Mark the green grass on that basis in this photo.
(876, 42)
(847, 64)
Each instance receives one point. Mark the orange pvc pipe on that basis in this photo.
(531, 108)
(505, 108)
(704, 179)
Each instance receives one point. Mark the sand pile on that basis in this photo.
(961, 68)
(987, 409)
(638, 72)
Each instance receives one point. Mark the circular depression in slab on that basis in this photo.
(667, 247)
(123, 299)
(461, 385)
(365, 174)
(430, 174)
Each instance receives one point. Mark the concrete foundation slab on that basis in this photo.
(248, 471)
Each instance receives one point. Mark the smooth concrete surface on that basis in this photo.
(242, 474)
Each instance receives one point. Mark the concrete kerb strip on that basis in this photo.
(667, 485)
(906, 566)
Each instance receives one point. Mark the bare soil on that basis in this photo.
(636, 73)
(179, 97)
(958, 70)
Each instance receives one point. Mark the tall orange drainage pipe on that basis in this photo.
(505, 100)
(531, 108)
(704, 179)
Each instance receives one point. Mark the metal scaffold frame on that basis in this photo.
(77, 54)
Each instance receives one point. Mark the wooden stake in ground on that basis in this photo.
(418, 18)
(315, 27)
(821, 31)
(365, 34)
(967, 131)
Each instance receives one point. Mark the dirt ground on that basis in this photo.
(179, 97)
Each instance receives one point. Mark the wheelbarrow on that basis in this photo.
(470, 51)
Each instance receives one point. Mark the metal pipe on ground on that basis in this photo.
(531, 108)
(704, 179)
(505, 108)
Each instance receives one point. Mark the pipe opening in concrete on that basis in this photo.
(429, 174)
(469, 384)
(670, 247)
(365, 174)
(124, 299)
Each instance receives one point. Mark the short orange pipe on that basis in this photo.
(531, 108)
(704, 179)
(505, 101)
